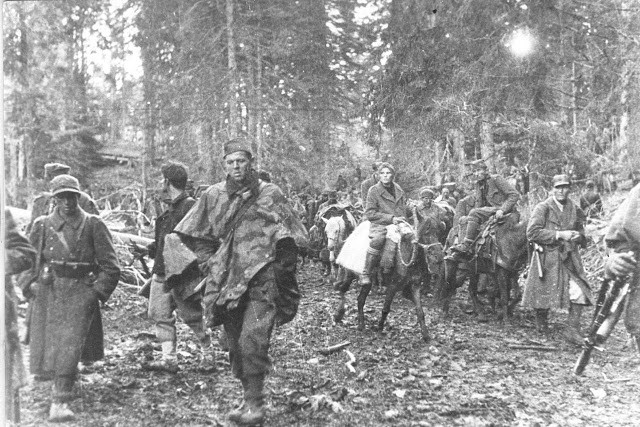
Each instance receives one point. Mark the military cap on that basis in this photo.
(55, 169)
(388, 166)
(477, 164)
(427, 192)
(65, 184)
(237, 144)
(332, 194)
(560, 180)
(590, 183)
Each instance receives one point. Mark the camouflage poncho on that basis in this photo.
(233, 260)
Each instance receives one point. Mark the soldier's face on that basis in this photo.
(561, 193)
(480, 173)
(237, 165)
(426, 201)
(386, 176)
(67, 202)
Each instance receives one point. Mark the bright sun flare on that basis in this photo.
(522, 42)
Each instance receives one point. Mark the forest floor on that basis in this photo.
(467, 375)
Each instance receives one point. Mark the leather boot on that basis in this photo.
(370, 263)
(60, 412)
(235, 414)
(168, 361)
(251, 411)
(542, 320)
(572, 330)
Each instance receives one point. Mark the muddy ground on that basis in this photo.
(467, 375)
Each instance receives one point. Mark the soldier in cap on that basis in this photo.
(590, 201)
(493, 196)
(557, 278)
(369, 182)
(427, 209)
(77, 268)
(44, 203)
(246, 238)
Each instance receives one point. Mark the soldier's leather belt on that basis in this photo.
(74, 270)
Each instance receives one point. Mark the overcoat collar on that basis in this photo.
(57, 221)
(386, 194)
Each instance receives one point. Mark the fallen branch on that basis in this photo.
(618, 380)
(128, 285)
(334, 348)
(352, 360)
(533, 347)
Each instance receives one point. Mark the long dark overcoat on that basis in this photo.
(558, 257)
(65, 323)
(382, 206)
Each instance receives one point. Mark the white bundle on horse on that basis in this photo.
(354, 251)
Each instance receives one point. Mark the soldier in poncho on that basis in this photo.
(246, 236)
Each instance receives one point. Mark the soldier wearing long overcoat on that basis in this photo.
(386, 204)
(77, 268)
(557, 278)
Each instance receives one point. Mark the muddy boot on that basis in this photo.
(370, 263)
(542, 320)
(168, 361)
(251, 412)
(572, 330)
(235, 414)
(60, 412)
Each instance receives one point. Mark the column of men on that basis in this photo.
(241, 240)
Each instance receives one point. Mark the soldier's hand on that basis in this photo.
(33, 289)
(397, 220)
(567, 235)
(499, 214)
(620, 264)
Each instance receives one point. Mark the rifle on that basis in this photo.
(608, 313)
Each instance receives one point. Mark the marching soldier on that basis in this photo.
(77, 268)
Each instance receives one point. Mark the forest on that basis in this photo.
(541, 86)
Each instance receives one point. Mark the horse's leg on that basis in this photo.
(392, 289)
(449, 289)
(416, 292)
(342, 287)
(502, 277)
(474, 279)
(515, 290)
(362, 298)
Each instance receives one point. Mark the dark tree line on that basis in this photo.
(426, 84)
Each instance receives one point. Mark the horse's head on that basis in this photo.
(334, 230)
(433, 255)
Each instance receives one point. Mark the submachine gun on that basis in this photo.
(609, 306)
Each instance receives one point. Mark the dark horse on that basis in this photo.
(413, 263)
(502, 255)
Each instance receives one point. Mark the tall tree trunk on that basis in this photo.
(233, 72)
(487, 146)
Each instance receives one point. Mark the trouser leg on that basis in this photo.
(374, 251)
(190, 311)
(161, 312)
(63, 388)
(249, 329)
(572, 326)
(542, 320)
